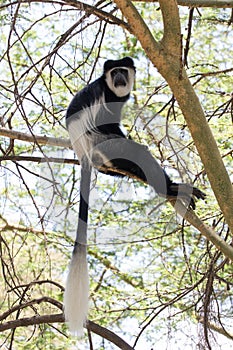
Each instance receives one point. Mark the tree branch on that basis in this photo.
(59, 318)
(79, 5)
(94, 10)
(31, 321)
(136, 283)
(140, 30)
(172, 30)
(188, 215)
(40, 159)
(170, 68)
(30, 303)
(204, 229)
(109, 335)
(200, 3)
(41, 140)
(99, 13)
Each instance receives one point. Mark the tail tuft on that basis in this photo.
(77, 291)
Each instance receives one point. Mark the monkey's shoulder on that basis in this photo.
(87, 97)
(91, 93)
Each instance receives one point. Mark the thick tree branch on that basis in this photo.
(59, 318)
(109, 335)
(172, 30)
(31, 321)
(91, 326)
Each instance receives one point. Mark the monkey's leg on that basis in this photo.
(77, 284)
(129, 156)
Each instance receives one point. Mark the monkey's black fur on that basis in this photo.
(94, 124)
(112, 143)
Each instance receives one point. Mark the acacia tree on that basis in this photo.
(178, 272)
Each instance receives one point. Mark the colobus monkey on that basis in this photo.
(94, 125)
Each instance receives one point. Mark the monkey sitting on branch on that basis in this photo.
(94, 124)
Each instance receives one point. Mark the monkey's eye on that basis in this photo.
(116, 71)
(119, 77)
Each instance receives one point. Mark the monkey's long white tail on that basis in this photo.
(77, 291)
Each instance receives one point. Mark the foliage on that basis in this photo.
(153, 276)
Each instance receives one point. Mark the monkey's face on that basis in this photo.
(120, 80)
(119, 77)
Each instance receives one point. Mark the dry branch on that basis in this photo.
(40, 159)
(41, 140)
(199, 3)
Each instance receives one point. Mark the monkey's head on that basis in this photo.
(119, 75)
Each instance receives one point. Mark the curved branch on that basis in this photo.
(109, 335)
(59, 318)
(30, 303)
